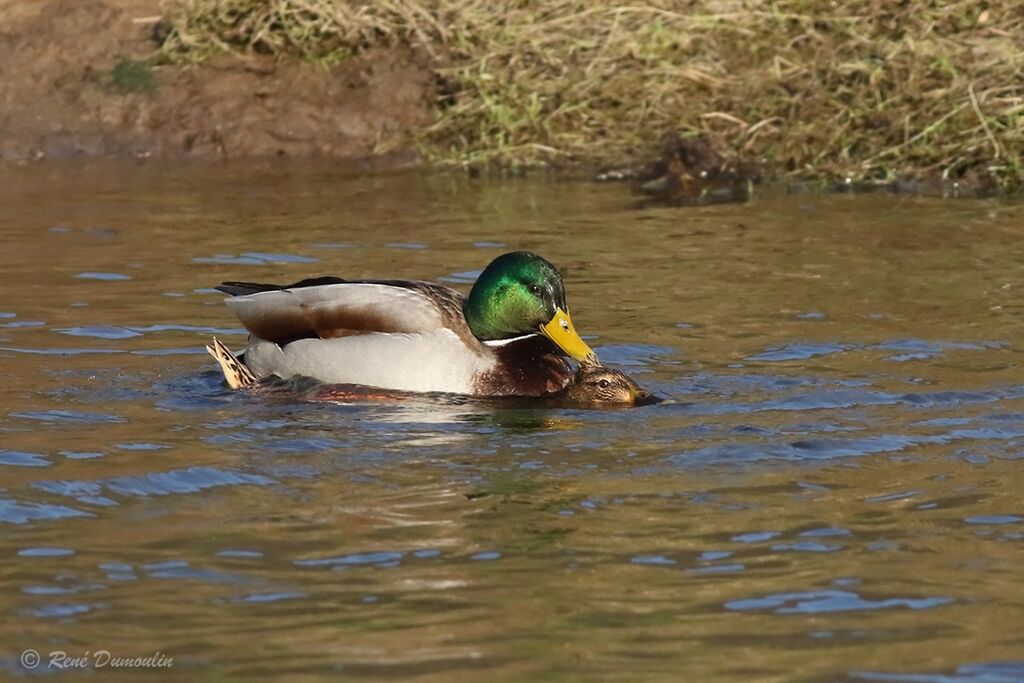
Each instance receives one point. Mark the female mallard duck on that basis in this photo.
(596, 385)
(505, 339)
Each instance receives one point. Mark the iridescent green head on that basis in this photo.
(521, 293)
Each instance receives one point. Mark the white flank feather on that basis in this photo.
(435, 360)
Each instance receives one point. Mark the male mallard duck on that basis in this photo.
(592, 386)
(504, 339)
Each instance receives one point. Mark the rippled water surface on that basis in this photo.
(834, 493)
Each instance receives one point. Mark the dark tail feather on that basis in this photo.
(243, 288)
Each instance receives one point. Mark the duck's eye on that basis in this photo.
(535, 290)
(604, 384)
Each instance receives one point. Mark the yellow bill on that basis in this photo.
(560, 330)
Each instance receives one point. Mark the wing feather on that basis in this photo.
(337, 310)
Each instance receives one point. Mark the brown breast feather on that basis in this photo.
(530, 366)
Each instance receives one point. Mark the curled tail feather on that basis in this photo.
(236, 374)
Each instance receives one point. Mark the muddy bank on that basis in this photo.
(695, 101)
(75, 81)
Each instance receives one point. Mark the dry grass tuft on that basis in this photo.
(868, 89)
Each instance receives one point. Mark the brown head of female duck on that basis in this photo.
(596, 386)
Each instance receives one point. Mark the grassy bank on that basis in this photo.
(867, 89)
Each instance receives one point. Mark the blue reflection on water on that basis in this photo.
(911, 349)
(813, 602)
(987, 672)
(186, 480)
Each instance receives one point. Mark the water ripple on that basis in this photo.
(45, 552)
(99, 332)
(382, 558)
(60, 610)
(22, 459)
(253, 258)
(69, 416)
(821, 601)
(14, 512)
(102, 276)
(271, 597)
(187, 480)
(911, 349)
(988, 672)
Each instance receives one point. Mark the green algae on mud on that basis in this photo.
(132, 76)
(868, 90)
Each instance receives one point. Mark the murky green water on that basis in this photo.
(835, 495)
